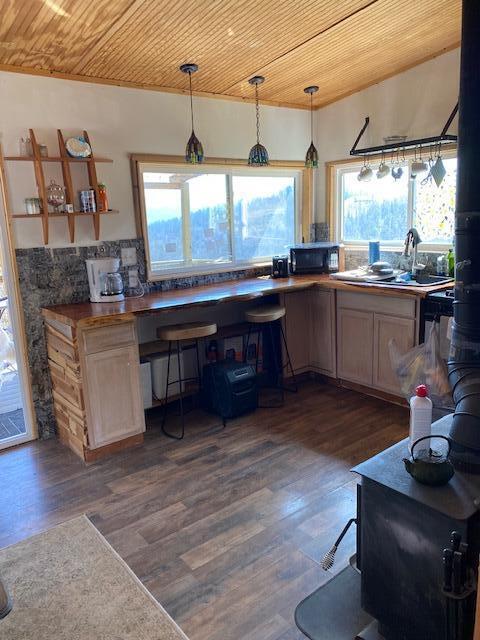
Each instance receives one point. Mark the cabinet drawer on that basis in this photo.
(378, 304)
(109, 337)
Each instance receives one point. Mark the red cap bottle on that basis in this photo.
(421, 391)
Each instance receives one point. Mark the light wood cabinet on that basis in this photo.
(114, 407)
(297, 330)
(355, 345)
(386, 328)
(96, 386)
(365, 326)
(322, 338)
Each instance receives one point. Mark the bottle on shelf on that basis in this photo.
(102, 197)
(420, 415)
(451, 263)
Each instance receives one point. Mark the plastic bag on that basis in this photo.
(423, 365)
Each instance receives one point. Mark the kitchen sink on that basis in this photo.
(423, 280)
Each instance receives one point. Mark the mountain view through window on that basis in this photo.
(217, 218)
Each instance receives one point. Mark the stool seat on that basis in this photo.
(186, 331)
(268, 313)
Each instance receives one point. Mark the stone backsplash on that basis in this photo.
(58, 276)
(357, 258)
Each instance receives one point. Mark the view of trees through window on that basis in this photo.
(385, 209)
(189, 220)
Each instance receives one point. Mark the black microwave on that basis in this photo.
(314, 257)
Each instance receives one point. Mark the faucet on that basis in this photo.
(412, 240)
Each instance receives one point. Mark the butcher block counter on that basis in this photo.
(90, 313)
(333, 328)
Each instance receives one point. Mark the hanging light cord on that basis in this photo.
(257, 108)
(191, 97)
(311, 116)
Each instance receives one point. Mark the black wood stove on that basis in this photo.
(404, 527)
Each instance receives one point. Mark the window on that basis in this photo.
(385, 209)
(216, 218)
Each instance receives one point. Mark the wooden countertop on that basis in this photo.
(86, 313)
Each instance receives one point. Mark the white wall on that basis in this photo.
(122, 121)
(415, 103)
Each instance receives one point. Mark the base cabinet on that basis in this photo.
(114, 407)
(365, 326)
(355, 345)
(322, 331)
(297, 327)
(95, 375)
(309, 326)
(386, 328)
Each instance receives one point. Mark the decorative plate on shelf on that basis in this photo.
(78, 147)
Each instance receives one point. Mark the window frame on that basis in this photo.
(334, 208)
(141, 163)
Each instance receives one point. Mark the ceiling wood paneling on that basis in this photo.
(341, 45)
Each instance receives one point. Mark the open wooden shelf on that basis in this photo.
(65, 160)
(55, 159)
(62, 214)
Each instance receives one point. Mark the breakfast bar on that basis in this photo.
(336, 329)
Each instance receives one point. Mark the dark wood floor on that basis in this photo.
(226, 528)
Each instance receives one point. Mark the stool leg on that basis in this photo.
(289, 362)
(245, 352)
(167, 433)
(165, 400)
(180, 390)
(257, 355)
(199, 374)
(277, 366)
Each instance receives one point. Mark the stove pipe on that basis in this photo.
(464, 363)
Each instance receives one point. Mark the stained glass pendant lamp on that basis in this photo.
(194, 150)
(258, 155)
(311, 159)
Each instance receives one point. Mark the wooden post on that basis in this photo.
(92, 176)
(67, 181)
(39, 177)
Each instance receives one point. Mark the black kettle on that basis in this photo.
(428, 466)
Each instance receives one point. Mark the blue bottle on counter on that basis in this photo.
(373, 251)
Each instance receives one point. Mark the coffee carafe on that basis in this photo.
(104, 279)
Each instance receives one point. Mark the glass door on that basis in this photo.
(16, 407)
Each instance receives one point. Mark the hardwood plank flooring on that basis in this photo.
(226, 528)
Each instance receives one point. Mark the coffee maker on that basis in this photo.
(104, 279)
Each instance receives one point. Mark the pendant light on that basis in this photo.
(194, 150)
(311, 159)
(258, 155)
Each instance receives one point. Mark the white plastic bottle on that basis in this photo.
(420, 416)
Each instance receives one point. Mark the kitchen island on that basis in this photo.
(334, 328)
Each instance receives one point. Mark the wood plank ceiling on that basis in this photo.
(341, 45)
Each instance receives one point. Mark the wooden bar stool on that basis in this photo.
(269, 315)
(180, 333)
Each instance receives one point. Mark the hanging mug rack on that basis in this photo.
(443, 138)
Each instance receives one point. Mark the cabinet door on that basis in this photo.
(115, 408)
(402, 330)
(355, 345)
(296, 327)
(322, 331)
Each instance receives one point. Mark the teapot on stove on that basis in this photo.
(429, 466)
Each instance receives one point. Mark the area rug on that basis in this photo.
(69, 584)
